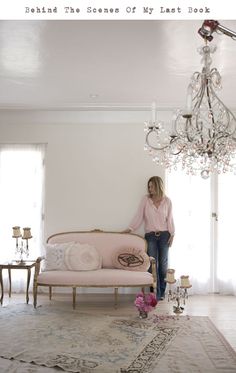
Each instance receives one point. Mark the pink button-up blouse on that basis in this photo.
(155, 219)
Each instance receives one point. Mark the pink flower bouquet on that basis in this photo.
(145, 302)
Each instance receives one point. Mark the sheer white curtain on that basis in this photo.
(226, 253)
(21, 201)
(204, 247)
(190, 252)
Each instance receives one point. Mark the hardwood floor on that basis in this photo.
(220, 309)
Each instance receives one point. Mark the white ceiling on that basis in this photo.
(106, 64)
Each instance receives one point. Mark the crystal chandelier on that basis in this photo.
(203, 137)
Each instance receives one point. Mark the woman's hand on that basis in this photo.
(128, 230)
(170, 241)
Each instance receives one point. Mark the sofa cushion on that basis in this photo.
(131, 259)
(101, 278)
(82, 257)
(55, 256)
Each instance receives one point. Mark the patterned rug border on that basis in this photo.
(221, 337)
(167, 317)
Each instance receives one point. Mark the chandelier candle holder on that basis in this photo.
(203, 135)
(23, 248)
(180, 293)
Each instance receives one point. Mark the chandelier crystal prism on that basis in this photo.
(203, 136)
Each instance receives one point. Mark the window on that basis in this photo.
(204, 245)
(21, 199)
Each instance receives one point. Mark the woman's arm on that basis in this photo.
(170, 223)
(139, 216)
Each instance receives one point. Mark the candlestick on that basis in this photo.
(153, 112)
(180, 293)
(189, 100)
(26, 236)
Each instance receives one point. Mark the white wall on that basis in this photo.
(96, 168)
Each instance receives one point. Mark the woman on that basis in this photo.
(155, 210)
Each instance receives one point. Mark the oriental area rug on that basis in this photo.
(57, 339)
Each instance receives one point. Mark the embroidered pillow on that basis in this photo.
(131, 259)
(82, 257)
(55, 256)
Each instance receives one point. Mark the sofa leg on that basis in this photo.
(50, 293)
(35, 293)
(154, 288)
(74, 297)
(116, 297)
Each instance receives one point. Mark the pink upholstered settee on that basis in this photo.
(107, 244)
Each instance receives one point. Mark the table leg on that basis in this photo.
(9, 277)
(28, 282)
(1, 282)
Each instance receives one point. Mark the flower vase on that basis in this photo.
(143, 314)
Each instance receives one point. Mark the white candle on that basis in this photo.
(153, 112)
(189, 99)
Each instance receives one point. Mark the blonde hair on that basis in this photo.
(158, 184)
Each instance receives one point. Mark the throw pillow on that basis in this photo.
(82, 257)
(55, 256)
(131, 259)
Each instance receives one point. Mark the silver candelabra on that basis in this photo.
(22, 249)
(179, 293)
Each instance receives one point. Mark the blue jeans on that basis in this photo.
(158, 248)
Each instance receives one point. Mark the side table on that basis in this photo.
(14, 264)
